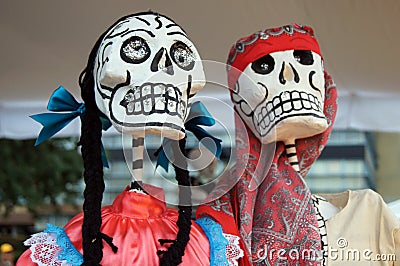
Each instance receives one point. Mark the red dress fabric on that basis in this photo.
(136, 222)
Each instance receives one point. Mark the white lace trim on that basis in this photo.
(233, 250)
(45, 250)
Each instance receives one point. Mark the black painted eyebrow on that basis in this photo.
(176, 33)
(147, 31)
(175, 25)
(172, 25)
(143, 20)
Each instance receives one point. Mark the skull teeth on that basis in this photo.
(285, 103)
(152, 98)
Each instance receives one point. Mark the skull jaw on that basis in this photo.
(170, 133)
(296, 127)
(156, 124)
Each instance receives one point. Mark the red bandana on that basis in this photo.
(255, 46)
(276, 221)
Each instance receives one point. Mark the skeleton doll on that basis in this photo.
(280, 91)
(142, 74)
(146, 72)
(283, 94)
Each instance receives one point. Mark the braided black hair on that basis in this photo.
(93, 176)
(93, 167)
(173, 256)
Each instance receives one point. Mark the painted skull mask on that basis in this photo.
(146, 72)
(279, 89)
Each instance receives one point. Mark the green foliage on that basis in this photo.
(33, 176)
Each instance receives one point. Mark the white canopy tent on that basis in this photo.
(46, 43)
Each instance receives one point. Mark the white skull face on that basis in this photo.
(146, 72)
(280, 96)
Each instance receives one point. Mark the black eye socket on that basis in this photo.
(263, 65)
(135, 50)
(182, 55)
(304, 57)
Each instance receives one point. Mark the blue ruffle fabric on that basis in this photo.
(69, 252)
(218, 242)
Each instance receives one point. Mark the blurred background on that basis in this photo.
(45, 44)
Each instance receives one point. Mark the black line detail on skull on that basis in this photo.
(188, 93)
(312, 73)
(105, 59)
(157, 18)
(110, 35)
(238, 100)
(99, 65)
(176, 33)
(172, 25)
(143, 20)
(151, 34)
(123, 84)
(243, 103)
(104, 87)
(266, 89)
(282, 80)
(296, 75)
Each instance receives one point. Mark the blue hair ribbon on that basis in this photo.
(66, 109)
(198, 116)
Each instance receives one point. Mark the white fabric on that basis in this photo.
(233, 250)
(368, 111)
(45, 250)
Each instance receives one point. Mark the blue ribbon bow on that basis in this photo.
(198, 116)
(63, 101)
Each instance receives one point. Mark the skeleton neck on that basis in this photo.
(137, 164)
(290, 147)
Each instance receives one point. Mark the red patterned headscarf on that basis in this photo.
(276, 221)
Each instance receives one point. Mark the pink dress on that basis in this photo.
(136, 222)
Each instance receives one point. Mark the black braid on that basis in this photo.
(92, 243)
(93, 176)
(93, 168)
(173, 256)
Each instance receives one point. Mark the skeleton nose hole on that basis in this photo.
(288, 74)
(162, 62)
